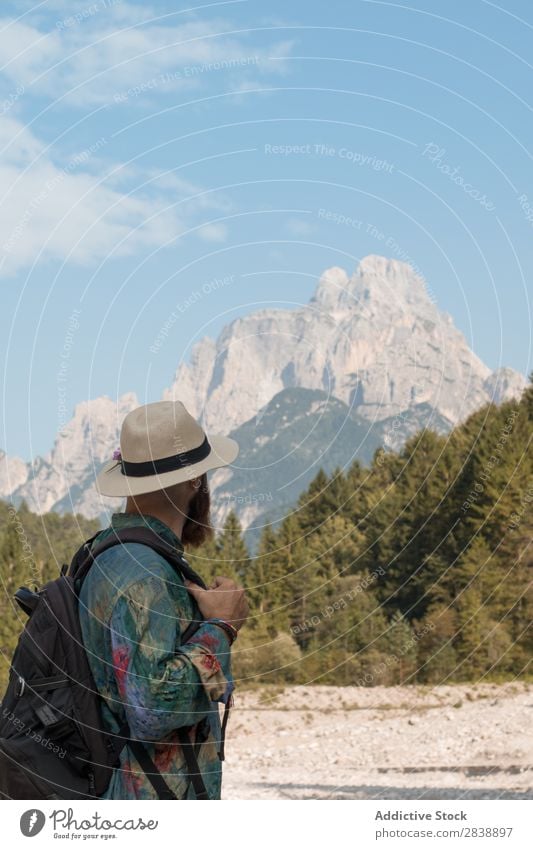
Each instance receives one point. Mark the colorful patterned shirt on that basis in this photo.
(133, 609)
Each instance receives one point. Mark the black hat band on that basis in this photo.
(166, 464)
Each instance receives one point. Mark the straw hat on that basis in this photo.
(162, 444)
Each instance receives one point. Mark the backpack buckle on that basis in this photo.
(20, 687)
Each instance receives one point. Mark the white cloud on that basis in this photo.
(299, 227)
(74, 210)
(82, 205)
(110, 53)
(213, 232)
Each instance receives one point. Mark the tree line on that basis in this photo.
(414, 569)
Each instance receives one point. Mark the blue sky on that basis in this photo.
(158, 160)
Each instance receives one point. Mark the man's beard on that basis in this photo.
(197, 528)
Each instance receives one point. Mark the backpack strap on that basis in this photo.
(145, 762)
(225, 718)
(27, 600)
(81, 563)
(193, 770)
(151, 771)
(85, 556)
(80, 559)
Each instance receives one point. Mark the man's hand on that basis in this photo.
(223, 600)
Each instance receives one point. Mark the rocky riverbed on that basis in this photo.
(445, 742)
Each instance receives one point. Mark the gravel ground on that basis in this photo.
(456, 742)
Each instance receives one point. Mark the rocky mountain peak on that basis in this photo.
(504, 384)
(378, 282)
(389, 270)
(390, 280)
(331, 290)
(374, 342)
(13, 473)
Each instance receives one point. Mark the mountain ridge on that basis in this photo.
(373, 342)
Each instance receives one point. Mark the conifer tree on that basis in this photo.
(204, 559)
(436, 656)
(322, 498)
(232, 555)
(266, 575)
(474, 625)
(13, 574)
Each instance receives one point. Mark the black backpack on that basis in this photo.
(53, 742)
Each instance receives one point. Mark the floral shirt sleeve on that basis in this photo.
(164, 684)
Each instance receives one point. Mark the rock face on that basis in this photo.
(374, 340)
(504, 384)
(281, 451)
(13, 473)
(372, 348)
(63, 479)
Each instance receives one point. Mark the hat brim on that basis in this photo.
(110, 481)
